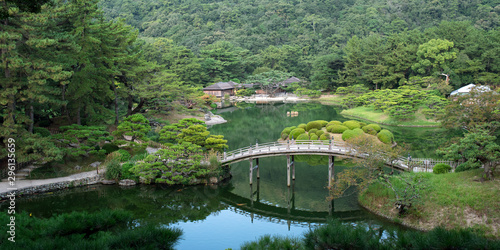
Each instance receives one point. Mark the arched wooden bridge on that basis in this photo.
(305, 147)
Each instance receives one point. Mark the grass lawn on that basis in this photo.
(369, 113)
(330, 99)
(453, 200)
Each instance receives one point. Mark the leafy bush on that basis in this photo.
(362, 124)
(113, 170)
(313, 136)
(333, 123)
(373, 126)
(323, 122)
(320, 132)
(352, 124)
(337, 129)
(462, 167)
(110, 148)
(245, 92)
(126, 173)
(369, 130)
(313, 131)
(124, 155)
(325, 137)
(41, 131)
(296, 132)
(385, 136)
(303, 137)
(286, 132)
(139, 157)
(441, 168)
(302, 126)
(313, 124)
(348, 134)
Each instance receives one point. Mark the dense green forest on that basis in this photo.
(91, 62)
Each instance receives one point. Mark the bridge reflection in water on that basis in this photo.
(256, 208)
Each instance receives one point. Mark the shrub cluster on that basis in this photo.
(348, 134)
(325, 137)
(352, 124)
(441, 168)
(313, 131)
(320, 132)
(303, 137)
(313, 124)
(302, 126)
(337, 129)
(333, 123)
(372, 129)
(296, 132)
(385, 136)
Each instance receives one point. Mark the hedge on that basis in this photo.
(351, 124)
(349, 134)
(303, 137)
(296, 132)
(385, 136)
(313, 124)
(441, 168)
(337, 129)
(314, 137)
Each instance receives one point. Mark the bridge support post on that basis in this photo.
(288, 170)
(258, 168)
(251, 170)
(293, 167)
(331, 170)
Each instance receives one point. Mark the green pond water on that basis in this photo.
(225, 216)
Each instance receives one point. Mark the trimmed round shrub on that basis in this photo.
(322, 122)
(369, 130)
(296, 132)
(325, 137)
(313, 124)
(286, 132)
(351, 124)
(337, 129)
(320, 132)
(302, 126)
(385, 136)
(313, 131)
(333, 123)
(43, 132)
(110, 148)
(362, 124)
(303, 137)
(125, 156)
(349, 134)
(441, 168)
(314, 136)
(374, 126)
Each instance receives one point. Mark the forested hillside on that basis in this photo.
(309, 37)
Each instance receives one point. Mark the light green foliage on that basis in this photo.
(125, 155)
(407, 188)
(320, 132)
(303, 136)
(273, 242)
(193, 131)
(375, 127)
(322, 122)
(349, 134)
(295, 133)
(85, 137)
(333, 123)
(312, 131)
(313, 124)
(325, 137)
(245, 92)
(136, 126)
(269, 81)
(307, 92)
(302, 125)
(441, 168)
(371, 129)
(352, 124)
(336, 129)
(357, 89)
(385, 136)
(433, 56)
(313, 136)
(178, 164)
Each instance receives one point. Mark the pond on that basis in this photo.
(225, 216)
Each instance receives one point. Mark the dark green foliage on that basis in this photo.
(336, 129)
(113, 170)
(41, 131)
(385, 136)
(86, 137)
(302, 126)
(463, 167)
(125, 155)
(110, 147)
(126, 173)
(441, 168)
(44, 123)
(303, 136)
(194, 131)
(313, 124)
(348, 134)
(351, 124)
(313, 136)
(296, 132)
(320, 132)
(81, 230)
(136, 126)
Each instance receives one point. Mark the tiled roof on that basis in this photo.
(221, 86)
